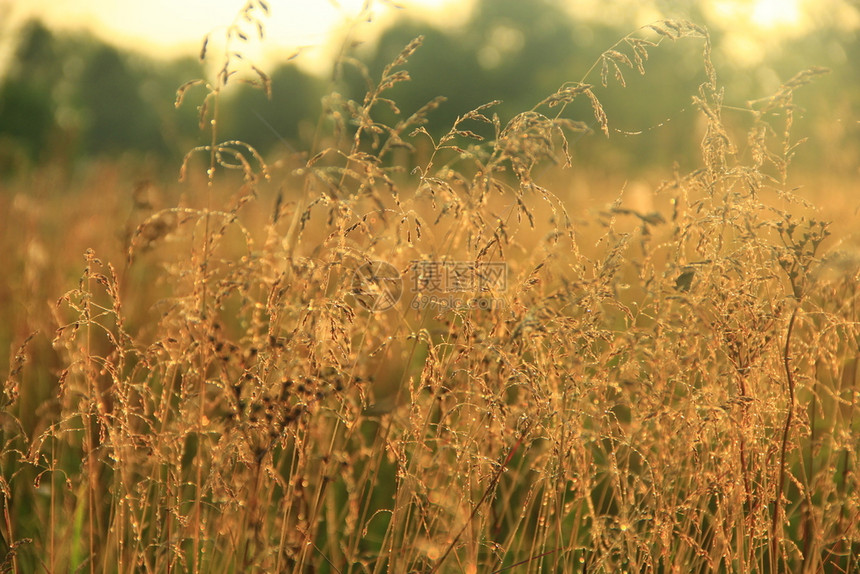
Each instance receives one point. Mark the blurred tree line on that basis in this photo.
(68, 97)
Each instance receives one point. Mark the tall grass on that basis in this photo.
(677, 392)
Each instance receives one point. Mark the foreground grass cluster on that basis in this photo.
(677, 392)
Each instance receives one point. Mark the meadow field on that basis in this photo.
(422, 348)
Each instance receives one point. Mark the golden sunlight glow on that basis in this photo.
(770, 14)
(752, 28)
(171, 28)
(782, 16)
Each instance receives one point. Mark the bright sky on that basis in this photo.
(173, 27)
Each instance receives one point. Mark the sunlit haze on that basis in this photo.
(168, 28)
(776, 13)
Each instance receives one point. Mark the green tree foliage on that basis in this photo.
(26, 118)
(72, 96)
(445, 65)
(178, 126)
(519, 53)
(278, 122)
(75, 96)
(510, 50)
(27, 106)
(115, 116)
